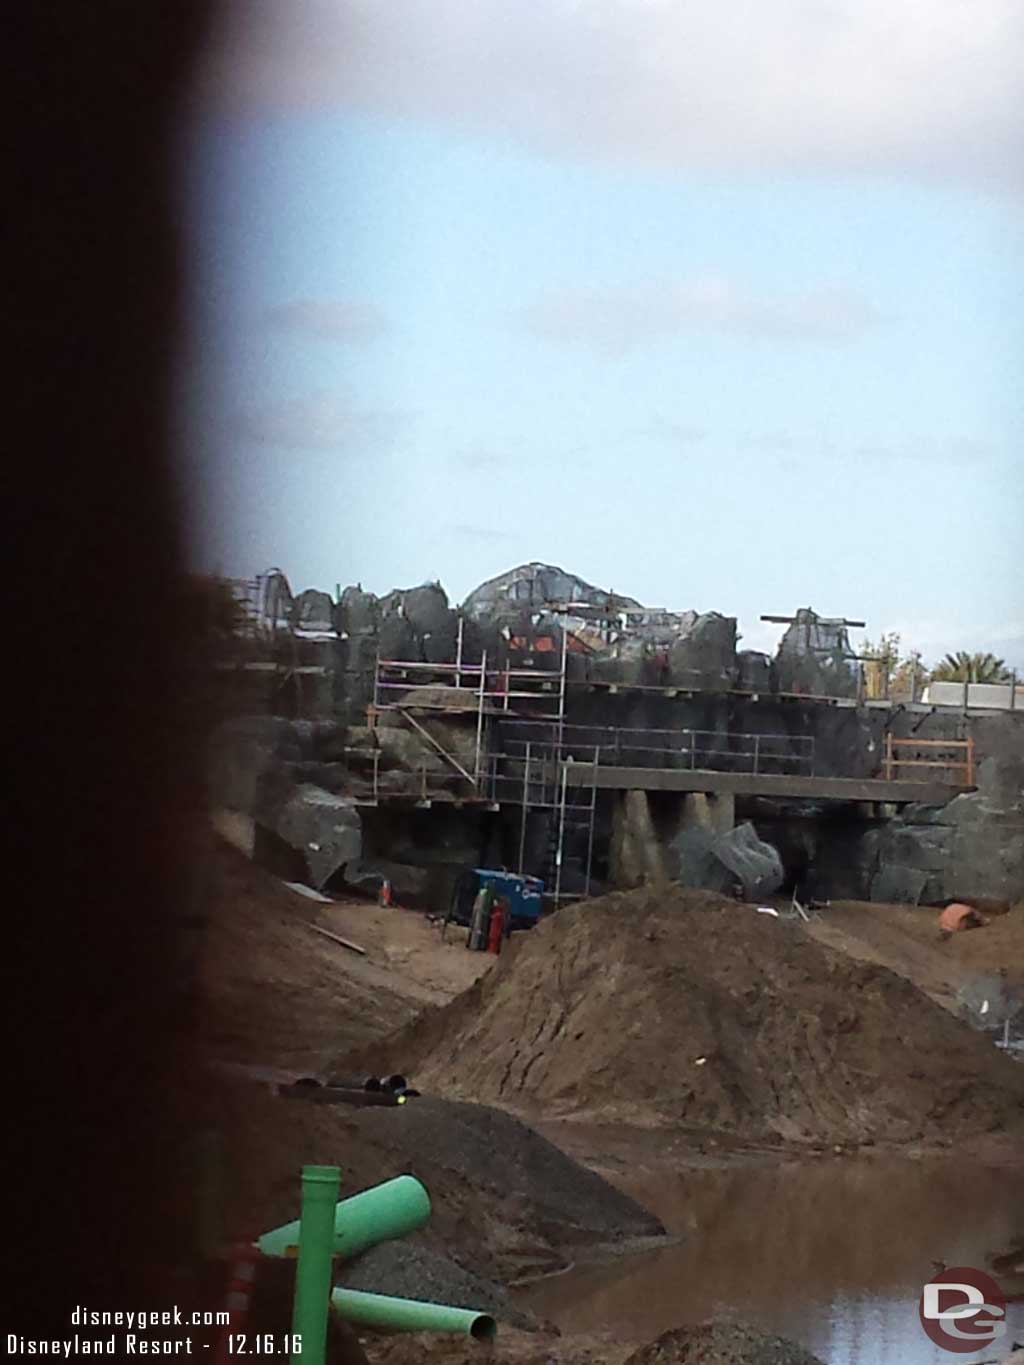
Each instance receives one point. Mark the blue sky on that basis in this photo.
(586, 286)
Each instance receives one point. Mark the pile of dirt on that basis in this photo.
(514, 1347)
(999, 945)
(276, 994)
(682, 1008)
(506, 1202)
(717, 1343)
(721, 1343)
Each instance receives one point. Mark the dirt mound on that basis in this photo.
(274, 992)
(1000, 944)
(506, 1203)
(517, 1348)
(674, 1007)
(715, 1343)
(707, 1344)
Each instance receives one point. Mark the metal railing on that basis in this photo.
(707, 750)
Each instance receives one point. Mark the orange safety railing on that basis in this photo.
(958, 757)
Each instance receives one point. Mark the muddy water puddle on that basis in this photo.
(832, 1255)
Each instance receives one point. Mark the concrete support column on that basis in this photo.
(711, 811)
(636, 856)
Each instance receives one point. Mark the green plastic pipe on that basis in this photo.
(379, 1214)
(411, 1315)
(313, 1272)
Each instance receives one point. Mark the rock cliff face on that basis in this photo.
(534, 587)
(970, 848)
(523, 614)
(815, 657)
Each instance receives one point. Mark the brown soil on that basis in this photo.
(518, 1348)
(906, 939)
(680, 1008)
(601, 1012)
(1000, 944)
(705, 1344)
(721, 1344)
(281, 997)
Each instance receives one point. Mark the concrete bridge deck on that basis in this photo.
(803, 788)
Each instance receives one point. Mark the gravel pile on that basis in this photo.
(537, 1184)
(507, 1204)
(721, 1343)
(408, 1271)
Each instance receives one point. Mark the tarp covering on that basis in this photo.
(720, 862)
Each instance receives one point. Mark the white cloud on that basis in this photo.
(344, 320)
(929, 88)
(318, 421)
(481, 459)
(614, 321)
(800, 450)
(469, 530)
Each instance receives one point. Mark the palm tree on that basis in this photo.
(971, 668)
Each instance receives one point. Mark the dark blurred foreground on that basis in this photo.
(103, 798)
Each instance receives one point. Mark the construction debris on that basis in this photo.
(345, 942)
(957, 917)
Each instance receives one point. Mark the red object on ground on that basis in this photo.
(385, 893)
(497, 927)
(958, 916)
(241, 1272)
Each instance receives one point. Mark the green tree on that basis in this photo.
(963, 667)
(881, 659)
(889, 673)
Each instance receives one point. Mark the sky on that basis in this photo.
(713, 303)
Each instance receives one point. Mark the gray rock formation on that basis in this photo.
(313, 611)
(531, 587)
(256, 766)
(705, 656)
(753, 671)
(324, 829)
(358, 612)
(721, 861)
(408, 883)
(425, 608)
(815, 657)
(969, 848)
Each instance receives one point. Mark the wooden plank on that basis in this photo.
(345, 942)
(932, 743)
